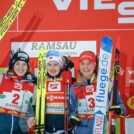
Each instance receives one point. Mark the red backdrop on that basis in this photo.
(58, 20)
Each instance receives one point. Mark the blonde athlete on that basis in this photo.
(82, 95)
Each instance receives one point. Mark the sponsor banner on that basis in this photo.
(55, 108)
(55, 97)
(102, 81)
(129, 81)
(102, 84)
(130, 102)
(67, 48)
(99, 119)
(9, 111)
(122, 11)
(74, 15)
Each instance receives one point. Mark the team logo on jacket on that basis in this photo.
(18, 85)
(54, 86)
(90, 88)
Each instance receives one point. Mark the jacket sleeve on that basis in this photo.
(119, 102)
(73, 102)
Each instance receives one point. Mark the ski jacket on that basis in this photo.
(55, 104)
(82, 104)
(15, 95)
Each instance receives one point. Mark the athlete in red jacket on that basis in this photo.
(16, 90)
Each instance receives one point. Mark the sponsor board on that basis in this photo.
(130, 102)
(67, 48)
(129, 79)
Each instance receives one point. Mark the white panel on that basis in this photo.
(67, 48)
(129, 126)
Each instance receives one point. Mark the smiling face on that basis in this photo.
(20, 68)
(53, 68)
(87, 68)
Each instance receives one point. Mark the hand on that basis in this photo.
(68, 64)
(74, 121)
(32, 78)
(22, 115)
(30, 122)
(117, 109)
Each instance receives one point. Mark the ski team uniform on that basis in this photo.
(82, 105)
(55, 101)
(15, 96)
